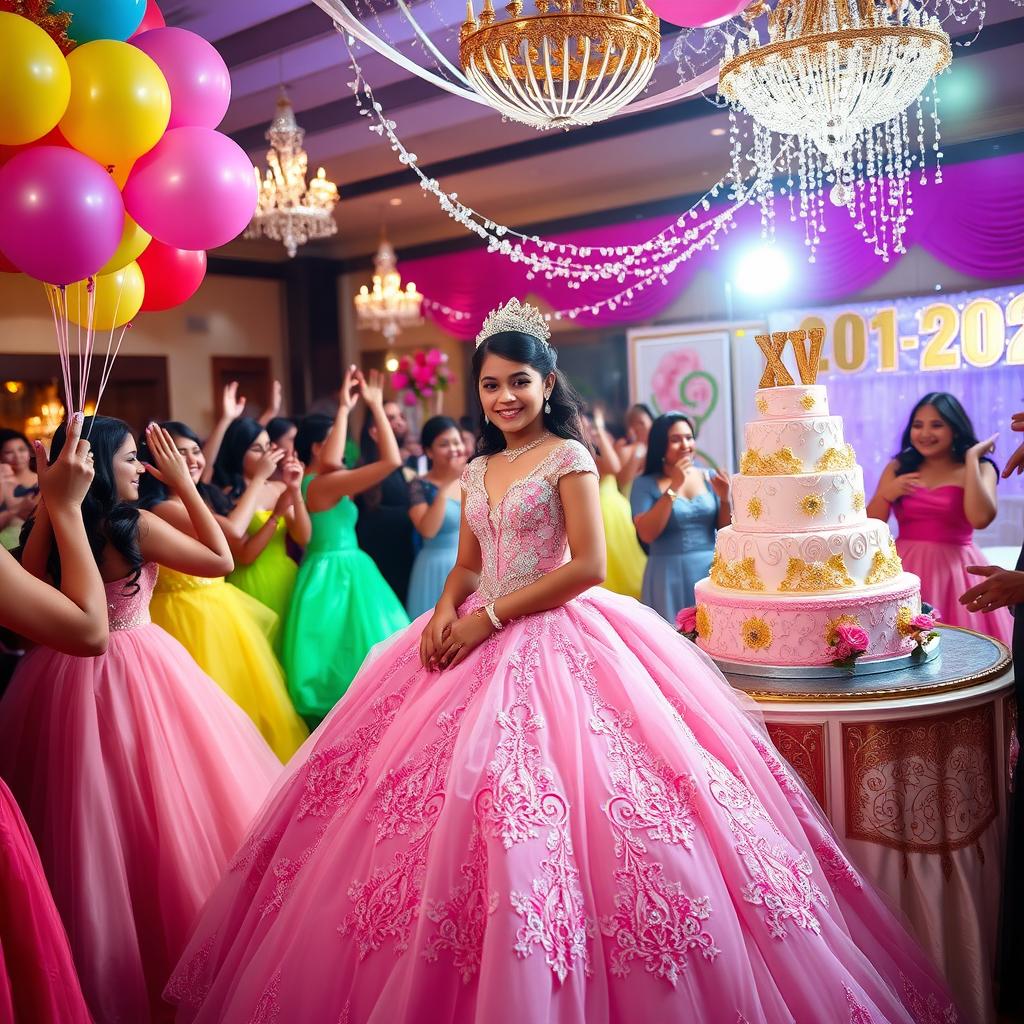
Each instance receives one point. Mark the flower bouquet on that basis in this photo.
(422, 378)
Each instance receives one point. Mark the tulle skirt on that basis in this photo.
(582, 823)
(944, 577)
(38, 984)
(138, 778)
(229, 634)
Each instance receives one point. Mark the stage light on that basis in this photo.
(762, 271)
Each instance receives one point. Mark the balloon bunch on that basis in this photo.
(113, 180)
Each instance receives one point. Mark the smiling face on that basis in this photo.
(127, 470)
(930, 434)
(259, 447)
(680, 442)
(192, 453)
(512, 394)
(447, 448)
(16, 454)
(638, 423)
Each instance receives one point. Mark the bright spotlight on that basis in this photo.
(762, 271)
(391, 364)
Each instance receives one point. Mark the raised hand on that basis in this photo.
(1001, 588)
(267, 466)
(372, 388)
(677, 471)
(291, 473)
(720, 481)
(168, 465)
(348, 396)
(900, 486)
(231, 405)
(986, 447)
(66, 480)
(275, 399)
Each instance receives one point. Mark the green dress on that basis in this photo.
(342, 606)
(271, 577)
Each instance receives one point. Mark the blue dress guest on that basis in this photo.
(677, 507)
(436, 513)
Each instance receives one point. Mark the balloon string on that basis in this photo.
(78, 324)
(90, 336)
(56, 296)
(108, 359)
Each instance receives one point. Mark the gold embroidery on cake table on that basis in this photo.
(813, 576)
(780, 463)
(884, 566)
(808, 402)
(703, 622)
(756, 634)
(755, 508)
(812, 504)
(837, 458)
(736, 575)
(832, 627)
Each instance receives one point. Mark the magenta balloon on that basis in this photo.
(195, 189)
(697, 13)
(61, 214)
(196, 75)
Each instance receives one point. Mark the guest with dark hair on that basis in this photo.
(384, 529)
(341, 606)
(942, 487)
(677, 507)
(632, 449)
(436, 512)
(281, 430)
(19, 486)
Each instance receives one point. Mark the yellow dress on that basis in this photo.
(229, 635)
(626, 559)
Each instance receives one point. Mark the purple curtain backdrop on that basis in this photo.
(973, 222)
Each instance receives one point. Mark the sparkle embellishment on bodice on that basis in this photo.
(131, 610)
(523, 536)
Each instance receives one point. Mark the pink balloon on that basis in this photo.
(172, 275)
(697, 13)
(195, 189)
(61, 214)
(196, 75)
(153, 18)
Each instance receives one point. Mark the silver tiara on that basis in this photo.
(515, 316)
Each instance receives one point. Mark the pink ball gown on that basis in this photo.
(936, 542)
(38, 984)
(138, 777)
(582, 823)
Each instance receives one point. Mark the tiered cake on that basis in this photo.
(801, 557)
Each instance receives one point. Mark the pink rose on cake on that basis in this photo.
(922, 630)
(848, 640)
(686, 622)
(853, 637)
(923, 622)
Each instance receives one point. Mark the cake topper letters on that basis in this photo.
(807, 352)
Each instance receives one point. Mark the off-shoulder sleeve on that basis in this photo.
(572, 457)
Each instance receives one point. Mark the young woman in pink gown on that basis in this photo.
(542, 805)
(941, 488)
(137, 775)
(38, 984)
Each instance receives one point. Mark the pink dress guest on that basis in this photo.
(38, 984)
(581, 823)
(138, 777)
(936, 542)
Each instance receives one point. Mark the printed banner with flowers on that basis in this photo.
(422, 377)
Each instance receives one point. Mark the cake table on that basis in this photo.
(912, 769)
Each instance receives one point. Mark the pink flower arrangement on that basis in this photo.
(848, 641)
(420, 376)
(923, 622)
(686, 620)
(922, 629)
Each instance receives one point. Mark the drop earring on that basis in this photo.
(487, 421)
(547, 405)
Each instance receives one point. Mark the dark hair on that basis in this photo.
(640, 407)
(434, 428)
(313, 429)
(565, 419)
(278, 427)
(107, 519)
(152, 492)
(954, 416)
(657, 443)
(14, 435)
(227, 469)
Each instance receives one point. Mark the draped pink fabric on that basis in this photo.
(973, 222)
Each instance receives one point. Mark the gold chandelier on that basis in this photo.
(387, 307)
(837, 77)
(289, 209)
(579, 63)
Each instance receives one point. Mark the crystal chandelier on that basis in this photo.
(575, 65)
(387, 307)
(837, 77)
(289, 209)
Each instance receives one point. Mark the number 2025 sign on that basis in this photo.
(922, 334)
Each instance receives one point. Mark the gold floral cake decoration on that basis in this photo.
(837, 458)
(809, 577)
(755, 508)
(884, 566)
(703, 622)
(756, 634)
(808, 402)
(812, 505)
(858, 501)
(781, 463)
(739, 574)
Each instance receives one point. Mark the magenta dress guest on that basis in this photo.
(38, 984)
(936, 542)
(941, 487)
(542, 806)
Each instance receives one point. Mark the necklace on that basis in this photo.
(513, 453)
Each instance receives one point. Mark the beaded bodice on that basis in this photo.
(131, 610)
(523, 536)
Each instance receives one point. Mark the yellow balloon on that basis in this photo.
(118, 298)
(35, 83)
(133, 241)
(119, 105)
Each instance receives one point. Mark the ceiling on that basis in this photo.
(635, 165)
